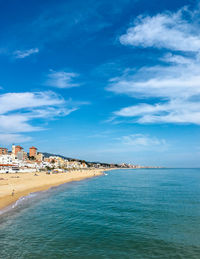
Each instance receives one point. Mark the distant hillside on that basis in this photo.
(64, 157)
(73, 159)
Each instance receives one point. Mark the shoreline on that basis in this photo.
(24, 184)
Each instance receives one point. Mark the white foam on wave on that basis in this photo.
(19, 202)
(23, 199)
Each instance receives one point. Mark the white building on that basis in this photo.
(6, 159)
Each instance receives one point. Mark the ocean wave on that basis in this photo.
(19, 202)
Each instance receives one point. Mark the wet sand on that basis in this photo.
(14, 186)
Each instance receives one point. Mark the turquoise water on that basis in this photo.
(152, 213)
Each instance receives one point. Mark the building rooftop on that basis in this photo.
(32, 148)
(19, 146)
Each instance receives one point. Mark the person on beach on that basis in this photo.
(13, 193)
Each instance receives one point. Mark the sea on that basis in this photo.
(143, 213)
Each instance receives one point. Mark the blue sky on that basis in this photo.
(113, 81)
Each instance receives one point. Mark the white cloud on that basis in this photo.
(61, 79)
(166, 30)
(16, 123)
(182, 80)
(134, 143)
(20, 112)
(6, 139)
(25, 100)
(177, 87)
(175, 111)
(177, 59)
(25, 53)
(170, 92)
(141, 140)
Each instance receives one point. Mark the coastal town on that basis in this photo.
(18, 160)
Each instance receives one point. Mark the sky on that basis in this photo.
(111, 81)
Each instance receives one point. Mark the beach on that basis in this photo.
(15, 186)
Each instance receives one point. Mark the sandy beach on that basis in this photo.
(14, 186)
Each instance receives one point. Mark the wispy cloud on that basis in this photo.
(175, 111)
(61, 79)
(165, 30)
(141, 140)
(175, 83)
(28, 100)
(22, 112)
(135, 143)
(19, 54)
(61, 21)
(172, 81)
(9, 138)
